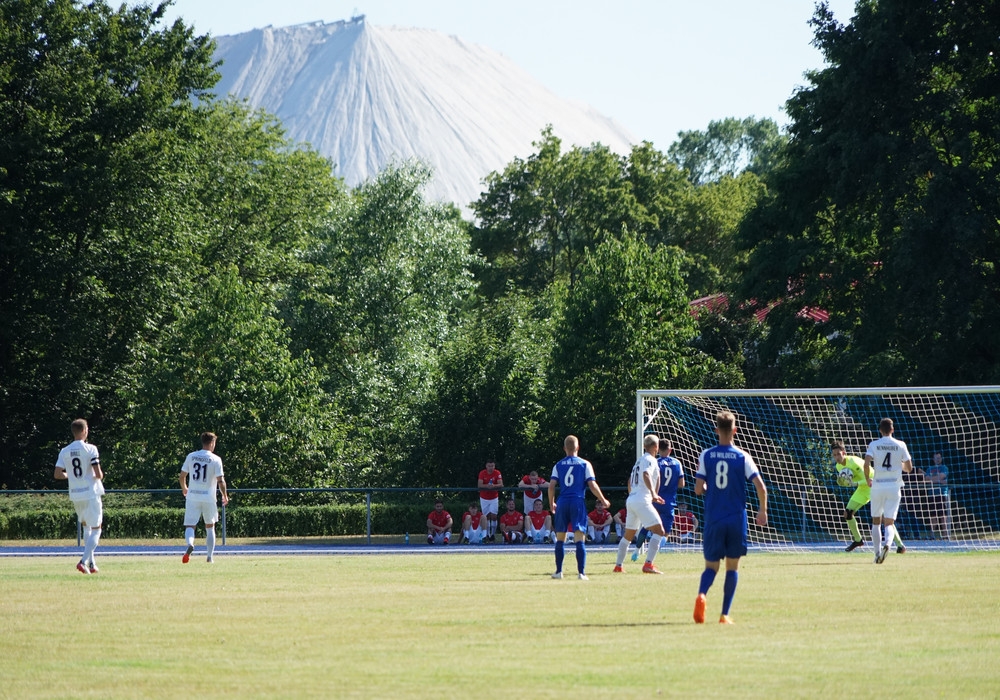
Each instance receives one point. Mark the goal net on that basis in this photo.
(788, 434)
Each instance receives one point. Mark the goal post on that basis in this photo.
(788, 433)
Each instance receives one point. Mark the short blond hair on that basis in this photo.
(725, 421)
(649, 441)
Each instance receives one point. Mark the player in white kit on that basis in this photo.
(204, 469)
(80, 464)
(643, 488)
(885, 461)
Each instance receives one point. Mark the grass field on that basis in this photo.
(497, 626)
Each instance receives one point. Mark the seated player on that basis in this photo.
(473, 524)
(620, 522)
(439, 524)
(599, 523)
(685, 524)
(512, 524)
(538, 524)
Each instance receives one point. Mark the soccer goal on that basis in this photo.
(788, 433)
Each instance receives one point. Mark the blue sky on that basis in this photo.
(655, 66)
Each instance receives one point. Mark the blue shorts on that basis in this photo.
(725, 540)
(571, 513)
(666, 511)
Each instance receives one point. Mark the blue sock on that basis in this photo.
(560, 553)
(707, 578)
(729, 590)
(581, 556)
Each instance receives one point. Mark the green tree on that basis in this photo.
(245, 200)
(625, 326)
(541, 215)
(86, 96)
(885, 213)
(727, 148)
(390, 275)
(252, 198)
(225, 366)
(488, 395)
(701, 219)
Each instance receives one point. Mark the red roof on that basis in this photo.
(717, 303)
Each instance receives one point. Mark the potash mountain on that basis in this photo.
(366, 96)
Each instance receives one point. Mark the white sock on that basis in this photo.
(189, 536)
(210, 541)
(890, 534)
(654, 547)
(877, 538)
(622, 549)
(90, 544)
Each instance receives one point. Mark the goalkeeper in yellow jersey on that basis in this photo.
(862, 494)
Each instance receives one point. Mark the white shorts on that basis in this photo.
(489, 506)
(537, 536)
(641, 514)
(196, 510)
(91, 513)
(599, 533)
(529, 504)
(885, 502)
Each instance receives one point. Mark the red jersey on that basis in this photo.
(537, 519)
(439, 519)
(622, 514)
(512, 519)
(475, 519)
(533, 494)
(491, 479)
(600, 518)
(683, 523)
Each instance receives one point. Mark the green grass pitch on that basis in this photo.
(495, 625)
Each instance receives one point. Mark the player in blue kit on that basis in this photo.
(574, 475)
(671, 479)
(722, 474)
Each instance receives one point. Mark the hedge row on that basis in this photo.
(248, 521)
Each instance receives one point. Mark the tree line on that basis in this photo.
(172, 263)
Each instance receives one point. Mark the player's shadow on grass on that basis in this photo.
(838, 562)
(619, 625)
